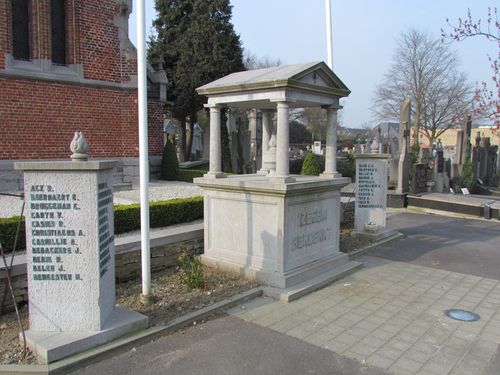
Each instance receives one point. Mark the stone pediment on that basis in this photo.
(314, 76)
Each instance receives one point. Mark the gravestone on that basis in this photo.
(419, 178)
(404, 148)
(70, 258)
(466, 140)
(371, 196)
(484, 161)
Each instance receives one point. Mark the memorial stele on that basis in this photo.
(371, 196)
(70, 256)
(280, 229)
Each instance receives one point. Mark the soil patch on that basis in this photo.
(171, 299)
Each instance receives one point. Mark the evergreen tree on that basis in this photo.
(196, 44)
(169, 163)
(311, 166)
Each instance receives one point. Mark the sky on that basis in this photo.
(365, 34)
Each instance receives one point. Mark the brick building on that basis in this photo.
(68, 65)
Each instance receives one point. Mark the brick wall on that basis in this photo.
(38, 117)
(38, 120)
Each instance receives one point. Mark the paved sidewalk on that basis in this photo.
(390, 315)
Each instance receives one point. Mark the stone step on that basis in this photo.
(467, 205)
(326, 278)
(122, 186)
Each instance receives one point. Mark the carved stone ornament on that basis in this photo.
(79, 147)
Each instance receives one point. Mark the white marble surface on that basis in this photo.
(371, 191)
(70, 254)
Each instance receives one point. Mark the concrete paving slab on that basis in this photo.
(409, 332)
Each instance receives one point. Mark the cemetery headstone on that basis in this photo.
(419, 178)
(404, 148)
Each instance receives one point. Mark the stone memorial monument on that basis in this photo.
(404, 148)
(70, 256)
(441, 179)
(371, 196)
(274, 227)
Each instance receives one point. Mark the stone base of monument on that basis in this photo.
(49, 347)
(285, 235)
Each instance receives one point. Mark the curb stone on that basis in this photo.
(363, 250)
(126, 343)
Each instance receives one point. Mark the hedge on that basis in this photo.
(127, 218)
(8, 227)
(187, 175)
(161, 214)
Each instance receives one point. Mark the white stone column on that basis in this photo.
(252, 127)
(215, 170)
(283, 132)
(267, 130)
(331, 144)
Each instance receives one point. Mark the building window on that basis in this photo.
(58, 31)
(20, 29)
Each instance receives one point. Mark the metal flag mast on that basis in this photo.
(329, 42)
(143, 149)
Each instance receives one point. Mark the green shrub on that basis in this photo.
(169, 163)
(346, 167)
(192, 271)
(161, 214)
(8, 227)
(187, 175)
(311, 166)
(467, 175)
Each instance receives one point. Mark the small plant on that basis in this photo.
(191, 271)
(169, 163)
(311, 166)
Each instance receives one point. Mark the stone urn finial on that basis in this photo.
(79, 147)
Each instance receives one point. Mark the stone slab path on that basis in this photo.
(391, 315)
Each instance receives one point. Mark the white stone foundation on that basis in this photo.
(280, 234)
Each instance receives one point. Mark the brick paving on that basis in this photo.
(391, 315)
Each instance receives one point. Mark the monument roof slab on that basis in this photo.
(303, 85)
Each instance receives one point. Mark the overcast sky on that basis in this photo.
(365, 34)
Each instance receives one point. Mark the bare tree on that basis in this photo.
(425, 71)
(487, 101)
(251, 61)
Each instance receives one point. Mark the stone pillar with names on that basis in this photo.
(371, 194)
(70, 257)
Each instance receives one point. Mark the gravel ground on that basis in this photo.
(158, 191)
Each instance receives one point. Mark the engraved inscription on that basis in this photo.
(104, 203)
(52, 242)
(367, 186)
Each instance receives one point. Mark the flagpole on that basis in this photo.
(329, 41)
(143, 150)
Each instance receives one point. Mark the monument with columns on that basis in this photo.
(280, 229)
